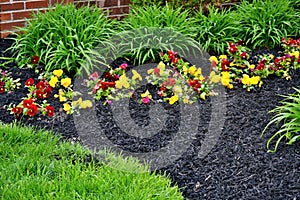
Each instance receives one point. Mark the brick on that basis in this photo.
(4, 34)
(11, 25)
(12, 6)
(53, 2)
(22, 15)
(5, 16)
(109, 3)
(1, 1)
(124, 2)
(117, 11)
(37, 4)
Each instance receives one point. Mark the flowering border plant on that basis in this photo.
(7, 83)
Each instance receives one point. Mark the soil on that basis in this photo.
(237, 167)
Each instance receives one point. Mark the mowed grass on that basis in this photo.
(36, 164)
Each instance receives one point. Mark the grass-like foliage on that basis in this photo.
(151, 29)
(265, 22)
(37, 165)
(160, 17)
(63, 37)
(216, 30)
(288, 116)
(145, 44)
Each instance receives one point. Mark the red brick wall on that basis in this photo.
(14, 12)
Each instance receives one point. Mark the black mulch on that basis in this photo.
(237, 167)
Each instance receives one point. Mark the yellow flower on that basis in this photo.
(246, 79)
(173, 99)
(223, 57)
(53, 81)
(122, 82)
(146, 94)
(252, 66)
(230, 86)
(161, 65)
(192, 70)
(198, 72)
(58, 72)
(66, 82)
(150, 71)
(254, 80)
(177, 89)
(203, 95)
(136, 75)
(83, 104)
(214, 58)
(225, 75)
(214, 78)
(201, 78)
(184, 69)
(225, 81)
(67, 108)
(271, 56)
(186, 100)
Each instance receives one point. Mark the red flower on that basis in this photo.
(27, 103)
(2, 83)
(105, 85)
(170, 82)
(156, 71)
(17, 110)
(35, 60)
(29, 82)
(260, 66)
(225, 65)
(232, 48)
(50, 110)
(244, 55)
(47, 92)
(40, 85)
(108, 76)
(175, 60)
(194, 83)
(171, 54)
(298, 61)
(2, 89)
(39, 94)
(32, 110)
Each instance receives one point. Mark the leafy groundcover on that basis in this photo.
(238, 166)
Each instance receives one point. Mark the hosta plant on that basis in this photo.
(287, 116)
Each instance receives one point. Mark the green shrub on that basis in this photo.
(216, 30)
(288, 116)
(38, 165)
(151, 29)
(265, 22)
(63, 37)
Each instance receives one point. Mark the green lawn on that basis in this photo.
(37, 165)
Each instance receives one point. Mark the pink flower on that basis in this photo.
(123, 66)
(94, 76)
(146, 100)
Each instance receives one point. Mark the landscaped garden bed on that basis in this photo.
(237, 166)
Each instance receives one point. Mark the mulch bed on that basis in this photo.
(237, 167)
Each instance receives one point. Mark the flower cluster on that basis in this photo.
(114, 84)
(31, 105)
(236, 68)
(7, 83)
(65, 93)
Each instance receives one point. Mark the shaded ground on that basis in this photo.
(238, 166)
